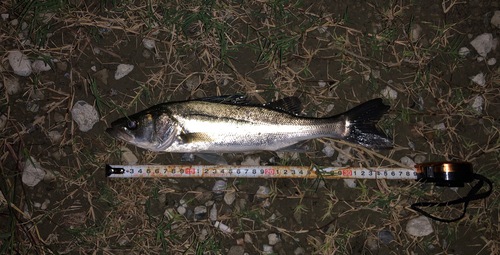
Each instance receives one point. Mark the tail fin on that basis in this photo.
(363, 130)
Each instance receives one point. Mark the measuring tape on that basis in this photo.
(443, 173)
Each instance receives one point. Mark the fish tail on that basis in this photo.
(362, 127)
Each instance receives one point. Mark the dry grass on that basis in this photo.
(268, 50)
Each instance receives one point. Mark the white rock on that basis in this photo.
(200, 209)
(267, 249)
(5, 16)
(19, 63)
(122, 70)
(39, 66)
(330, 107)
(213, 213)
(122, 241)
(407, 161)
(219, 187)
(128, 157)
(299, 251)
(93, 68)
(480, 59)
(351, 183)
(416, 30)
(491, 61)
(45, 204)
(419, 227)
(273, 238)
(12, 85)
(248, 238)
(148, 43)
(440, 126)
(97, 51)
(464, 52)
(35, 204)
(343, 159)
(495, 20)
(223, 227)
(50, 176)
(478, 79)
(192, 82)
(328, 150)
(419, 159)
(483, 44)
(477, 104)
(14, 22)
(321, 84)
(262, 192)
(181, 210)
(251, 161)
(229, 197)
(389, 93)
(204, 234)
(84, 115)
(55, 136)
(33, 172)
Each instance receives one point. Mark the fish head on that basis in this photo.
(150, 129)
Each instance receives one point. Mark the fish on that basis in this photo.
(232, 124)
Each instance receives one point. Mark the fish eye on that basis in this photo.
(132, 124)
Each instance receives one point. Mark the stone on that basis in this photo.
(45, 204)
(187, 157)
(223, 227)
(385, 236)
(491, 61)
(440, 126)
(299, 251)
(213, 213)
(464, 52)
(267, 249)
(407, 161)
(248, 238)
(39, 66)
(389, 93)
(321, 84)
(262, 192)
(5, 16)
(419, 227)
(19, 63)
(204, 234)
(32, 107)
(273, 238)
(236, 250)
(478, 79)
(229, 197)
(192, 82)
(102, 76)
(483, 44)
(12, 85)
(148, 43)
(128, 157)
(84, 115)
(495, 19)
(372, 243)
(328, 150)
(3, 121)
(54, 136)
(200, 212)
(181, 210)
(477, 104)
(122, 241)
(416, 30)
(33, 173)
(122, 70)
(351, 183)
(219, 187)
(251, 161)
(50, 176)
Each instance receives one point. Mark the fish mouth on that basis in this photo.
(118, 134)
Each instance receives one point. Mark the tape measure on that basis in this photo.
(453, 174)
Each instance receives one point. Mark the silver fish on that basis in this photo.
(230, 124)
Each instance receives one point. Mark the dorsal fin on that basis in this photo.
(288, 104)
(237, 99)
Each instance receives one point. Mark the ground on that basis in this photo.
(333, 55)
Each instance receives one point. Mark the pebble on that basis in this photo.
(219, 187)
(236, 250)
(248, 238)
(32, 107)
(351, 183)
(204, 196)
(128, 157)
(495, 20)
(3, 121)
(45, 204)
(148, 44)
(12, 85)
(122, 241)
(35, 204)
(491, 61)
(419, 227)
(97, 51)
(407, 161)
(299, 251)
(33, 173)
(213, 213)
(93, 68)
(229, 197)
(483, 44)
(416, 30)
(55, 136)
(328, 150)
(223, 227)
(440, 126)
(84, 115)
(122, 70)
(200, 212)
(389, 93)
(330, 107)
(273, 238)
(478, 79)
(268, 249)
(372, 243)
(419, 159)
(262, 192)
(192, 82)
(5, 16)
(39, 66)
(251, 161)
(50, 176)
(187, 157)
(343, 159)
(477, 104)
(321, 84)
(181, 210)
(464, 52)
(19, 63)
(204, 234)
(385, 236)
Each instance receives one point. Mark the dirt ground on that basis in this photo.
(333, 55)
